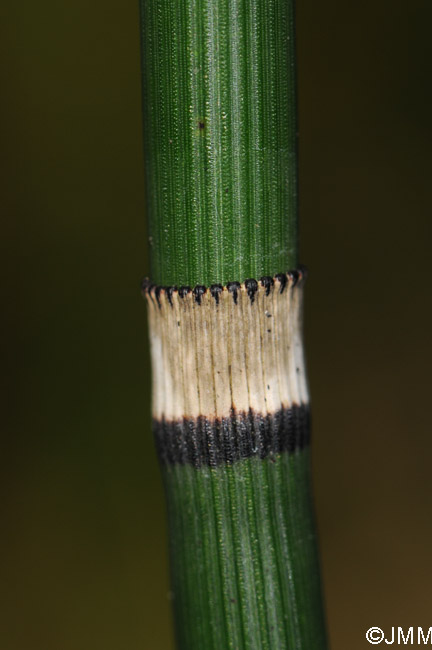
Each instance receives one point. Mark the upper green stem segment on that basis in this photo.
(220, 138)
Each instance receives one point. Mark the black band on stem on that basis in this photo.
(205, 442)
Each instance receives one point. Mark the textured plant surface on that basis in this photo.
(230, 402)
(220, 138)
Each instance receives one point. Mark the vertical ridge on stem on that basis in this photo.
(220, 132)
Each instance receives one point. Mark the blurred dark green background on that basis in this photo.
(83, 563)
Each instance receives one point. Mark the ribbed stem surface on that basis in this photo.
(244, 560)
(220, 138)
(230, 402)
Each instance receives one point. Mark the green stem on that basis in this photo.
(244, 558)
(220, 138)
(230, 401)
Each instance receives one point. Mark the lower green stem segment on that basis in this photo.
(245, 569)
(231, 423)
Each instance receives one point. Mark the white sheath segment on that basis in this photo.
(213, 356)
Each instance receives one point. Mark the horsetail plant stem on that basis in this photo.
(230, 399)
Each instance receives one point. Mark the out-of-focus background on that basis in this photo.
(83, 538)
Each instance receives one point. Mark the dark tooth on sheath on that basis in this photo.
(282, 278)
(183, 291)
(198, 293)
(267, 282)
(234, 288)
(251, 288)
(215, 291)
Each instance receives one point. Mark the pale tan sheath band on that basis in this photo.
(234, 350)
